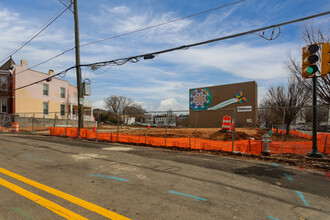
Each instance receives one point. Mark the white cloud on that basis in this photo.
(99, 104)
(243, 60)
(123, 9)
(171, 104)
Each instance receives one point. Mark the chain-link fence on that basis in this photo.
(245, 130)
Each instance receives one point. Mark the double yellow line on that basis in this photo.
(68, 214)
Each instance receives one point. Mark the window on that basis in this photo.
(3, 83)
(62, 92)
(45, 108)
(74, 96)
(62, 110)
(45, 89)
(3, 105)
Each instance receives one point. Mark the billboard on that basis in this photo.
(238, 100)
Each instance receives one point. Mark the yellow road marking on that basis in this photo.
(65, 213)
(68, 197)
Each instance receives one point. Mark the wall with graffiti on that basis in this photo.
(238, 100)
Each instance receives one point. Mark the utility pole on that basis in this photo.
(78, 69)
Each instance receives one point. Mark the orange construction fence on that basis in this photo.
(246, 146)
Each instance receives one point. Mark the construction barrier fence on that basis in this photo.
(245, 146)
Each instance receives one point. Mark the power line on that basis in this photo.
(34, 36)
(135, 59)
(161, 24)
(45, 79)
(136, 31)
(66, 5)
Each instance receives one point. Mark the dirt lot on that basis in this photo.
(205, 133)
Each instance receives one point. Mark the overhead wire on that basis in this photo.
(45, 79)
(66, 5)
(135, 59)
(35, 35)
(136, 31)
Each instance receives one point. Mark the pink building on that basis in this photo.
(56, 98)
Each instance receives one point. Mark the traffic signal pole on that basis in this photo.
(78, 69)
(314, 152)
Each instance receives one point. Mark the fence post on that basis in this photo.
(67, 122)
(54, 124)
(140, 137)
(325, 145)
(33, 123)
(196, 128)
(146, 139)
(118, 128)
(97, 123)
(233, 134)
(166, 128)
(189, 142)
(111, 136)
(283, 132)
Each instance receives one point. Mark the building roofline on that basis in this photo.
(226, 84)
(46, 74)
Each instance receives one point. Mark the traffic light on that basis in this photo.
(325, 59)
(309, 58)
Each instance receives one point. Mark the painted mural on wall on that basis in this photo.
(200, 99)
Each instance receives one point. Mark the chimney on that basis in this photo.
(51, 72)
(24, 64)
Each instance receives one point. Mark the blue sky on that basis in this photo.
(161, 83)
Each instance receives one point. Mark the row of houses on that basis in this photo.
(165, 119)
(43, 99)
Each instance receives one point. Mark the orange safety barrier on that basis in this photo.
(15, 127)
(0, 128)
(226, 122)
(245, 146)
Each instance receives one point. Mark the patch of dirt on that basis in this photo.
(204, 133)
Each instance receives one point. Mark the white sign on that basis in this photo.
(244, 109)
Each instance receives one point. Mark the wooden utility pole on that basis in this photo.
(78, 69)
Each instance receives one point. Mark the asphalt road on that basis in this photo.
(45, 177)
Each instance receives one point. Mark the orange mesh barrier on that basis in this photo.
(245, 146)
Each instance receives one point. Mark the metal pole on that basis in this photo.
(189, 142)
(67, 122)
(325, 145)
(166, 127)
(196, 128)
(33, 123)
(314, 152)
(283, 132)
(97, 124)
(117, 128)
(233, 134)
(78, 69)
(54, 124)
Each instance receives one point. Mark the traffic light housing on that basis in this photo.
(309, 58)
(325, 59)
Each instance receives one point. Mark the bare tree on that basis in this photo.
(134, 110)
(117, 104)
(288, 101)
(267, 114)
(311, 35)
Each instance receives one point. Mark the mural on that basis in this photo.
(200, 99)
(237, 99)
